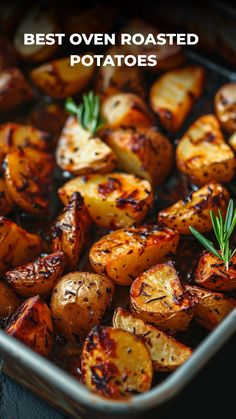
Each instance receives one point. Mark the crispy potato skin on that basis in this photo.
(71, 230)
(38, 277)
(211, 273)
(202, 153)
(6, 201)
(14, 89)
(114, 200)
(79, 301)
(157, 296)
(195, 209)
(125, 254)
(225, 107)
(17, 246)
(8, 301)
(115, 363)
(142, 151)
(167, 353)
(32, 324)
(174, 93)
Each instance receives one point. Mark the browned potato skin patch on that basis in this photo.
(32, 325)
(115, 363)
(195, 209)
(225, 107)
(6, 201)
(14, 89)
(79, 301)
(8, 301)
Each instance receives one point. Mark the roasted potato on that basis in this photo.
(142, 151)
(114, 200)
(81, 153)
(38, 277)
(32, 324)
(125, 254)
(115, 363)
(225, 107)
(79, 301)
(212, 307)
(6, 201)
(158, 297)
(14, 89)
(28, 174)
(167, 353)
(8, 301)
(195, 209)
(174, 93)
(202, 153)
(232, 141)
(71, 229)
(17, 246)
(7, 54)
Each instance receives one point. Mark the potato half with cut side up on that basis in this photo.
(225, 107)
(6, 202)
(173, 94)
(167, 353)
(114, 200)
(32, 325)
(8, 301)
(195, 209)
(79, 301)
(115, 363)
(203, 155)
(14, 89)
(158, 297)
(125, 254)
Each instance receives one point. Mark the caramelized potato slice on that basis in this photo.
(225, 107)
(80, 153)
(28, 174)
(174, 93)
(32, 324)
(115, 363)
(114, 200)
(71, 229)
(125, 254)
(8, 301)
(14, 89)
(167, 353)
(142, 151)
(79, 301)
(6, 201)
(17, 246)
(195, 209)
(158, 297)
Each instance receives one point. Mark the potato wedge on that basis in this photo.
(71, 229)
(81, 153)
(28, 174)
(202, 153)
(17, 246)
(38, 277)
(7, 54)
(59, 79)
(125, 254)
(225, 107)
(115, 363)
(212, 307)
(14, 89)
(167, 353)
(8, 301)
(195, 209)
(173, 94)
(158, 297)
(32, 324)
(142, 151)
(6, 202)
(79, 301)
(114, 200)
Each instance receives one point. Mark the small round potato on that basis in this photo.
(115, 363)
(8, 301)
(225, 107)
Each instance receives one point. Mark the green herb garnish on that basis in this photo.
(223, 230)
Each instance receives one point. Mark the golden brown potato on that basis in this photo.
(6, 202)
(32, 324)
(232, 141)
(125, 254)
(115, 363)
(114, 200)
(158, 297)
(38, 277)
(79, 301)
(28, 174)
(167, 353)
(8, 301)
(71, 229)
(14, 89)
(225, 107)
(17, 246)
(174, 93)
(195, 209)
(212, 307)
(142, 151)
(81, 153)
(59, 79)
(202, 153)
(7, 54)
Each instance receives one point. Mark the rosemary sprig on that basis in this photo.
(223, 230)
(87, 112)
